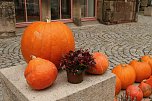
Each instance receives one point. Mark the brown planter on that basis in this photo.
(75, 78)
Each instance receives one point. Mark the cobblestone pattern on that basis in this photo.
(121, 42)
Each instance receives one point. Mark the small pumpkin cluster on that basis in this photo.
(136, 71)
(48, 42)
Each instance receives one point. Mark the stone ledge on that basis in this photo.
(94, 87)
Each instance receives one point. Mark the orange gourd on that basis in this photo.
(47, 40)
(115, 98)
(126, 74)
(149, 81)
(134, 92)
(117, 86)
(40, 73)
(146, 89)
(101, 65)
(142, 69)
(147, 59)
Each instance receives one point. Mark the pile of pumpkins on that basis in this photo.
(42, 45)
(139, 71)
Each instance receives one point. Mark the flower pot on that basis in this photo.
(75, 78)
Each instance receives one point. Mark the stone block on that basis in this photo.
(144, 3)
(93, 88)
(118, 11)
(148, 11)
(7, 17)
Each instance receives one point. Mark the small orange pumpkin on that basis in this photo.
(146, 89)
(115, 98)
(101, 65)
(47, 40)
(134, 92)
(40, 73)
(142, 69)
(147, 59)
(149, 81)
(126, 74)
(118, 85)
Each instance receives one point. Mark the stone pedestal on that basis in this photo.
(93, 88)
(7, 18)
(148, 11)
(77, 12)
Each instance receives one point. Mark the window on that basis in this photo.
(27, 10)
(60, 9)
(87, 8)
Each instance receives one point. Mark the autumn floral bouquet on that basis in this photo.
(76, 62)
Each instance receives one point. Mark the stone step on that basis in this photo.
(93, 88)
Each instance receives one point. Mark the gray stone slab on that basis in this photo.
(93, 88)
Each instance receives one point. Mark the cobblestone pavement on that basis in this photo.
(121, 42)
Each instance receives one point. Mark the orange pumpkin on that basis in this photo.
(115, 98)
(47, 40)
(118, 85)
(126, 74)
(101, 65)
(149, 81)
(147, 59)
(146, 89)
(40, 73)
(142, 69)
(134, 92)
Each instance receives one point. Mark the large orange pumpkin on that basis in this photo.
(40, 73)
(147, 59)
(47, 40)
(142, 69)
(118, 85)
(101, 65)
(126, 74)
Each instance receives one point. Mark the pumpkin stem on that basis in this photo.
(33, 57)
(140, 60)
(48, 20)
(144, 81)
(123, 65)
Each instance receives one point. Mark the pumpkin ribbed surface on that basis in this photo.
(147, 59)
(142, 69)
